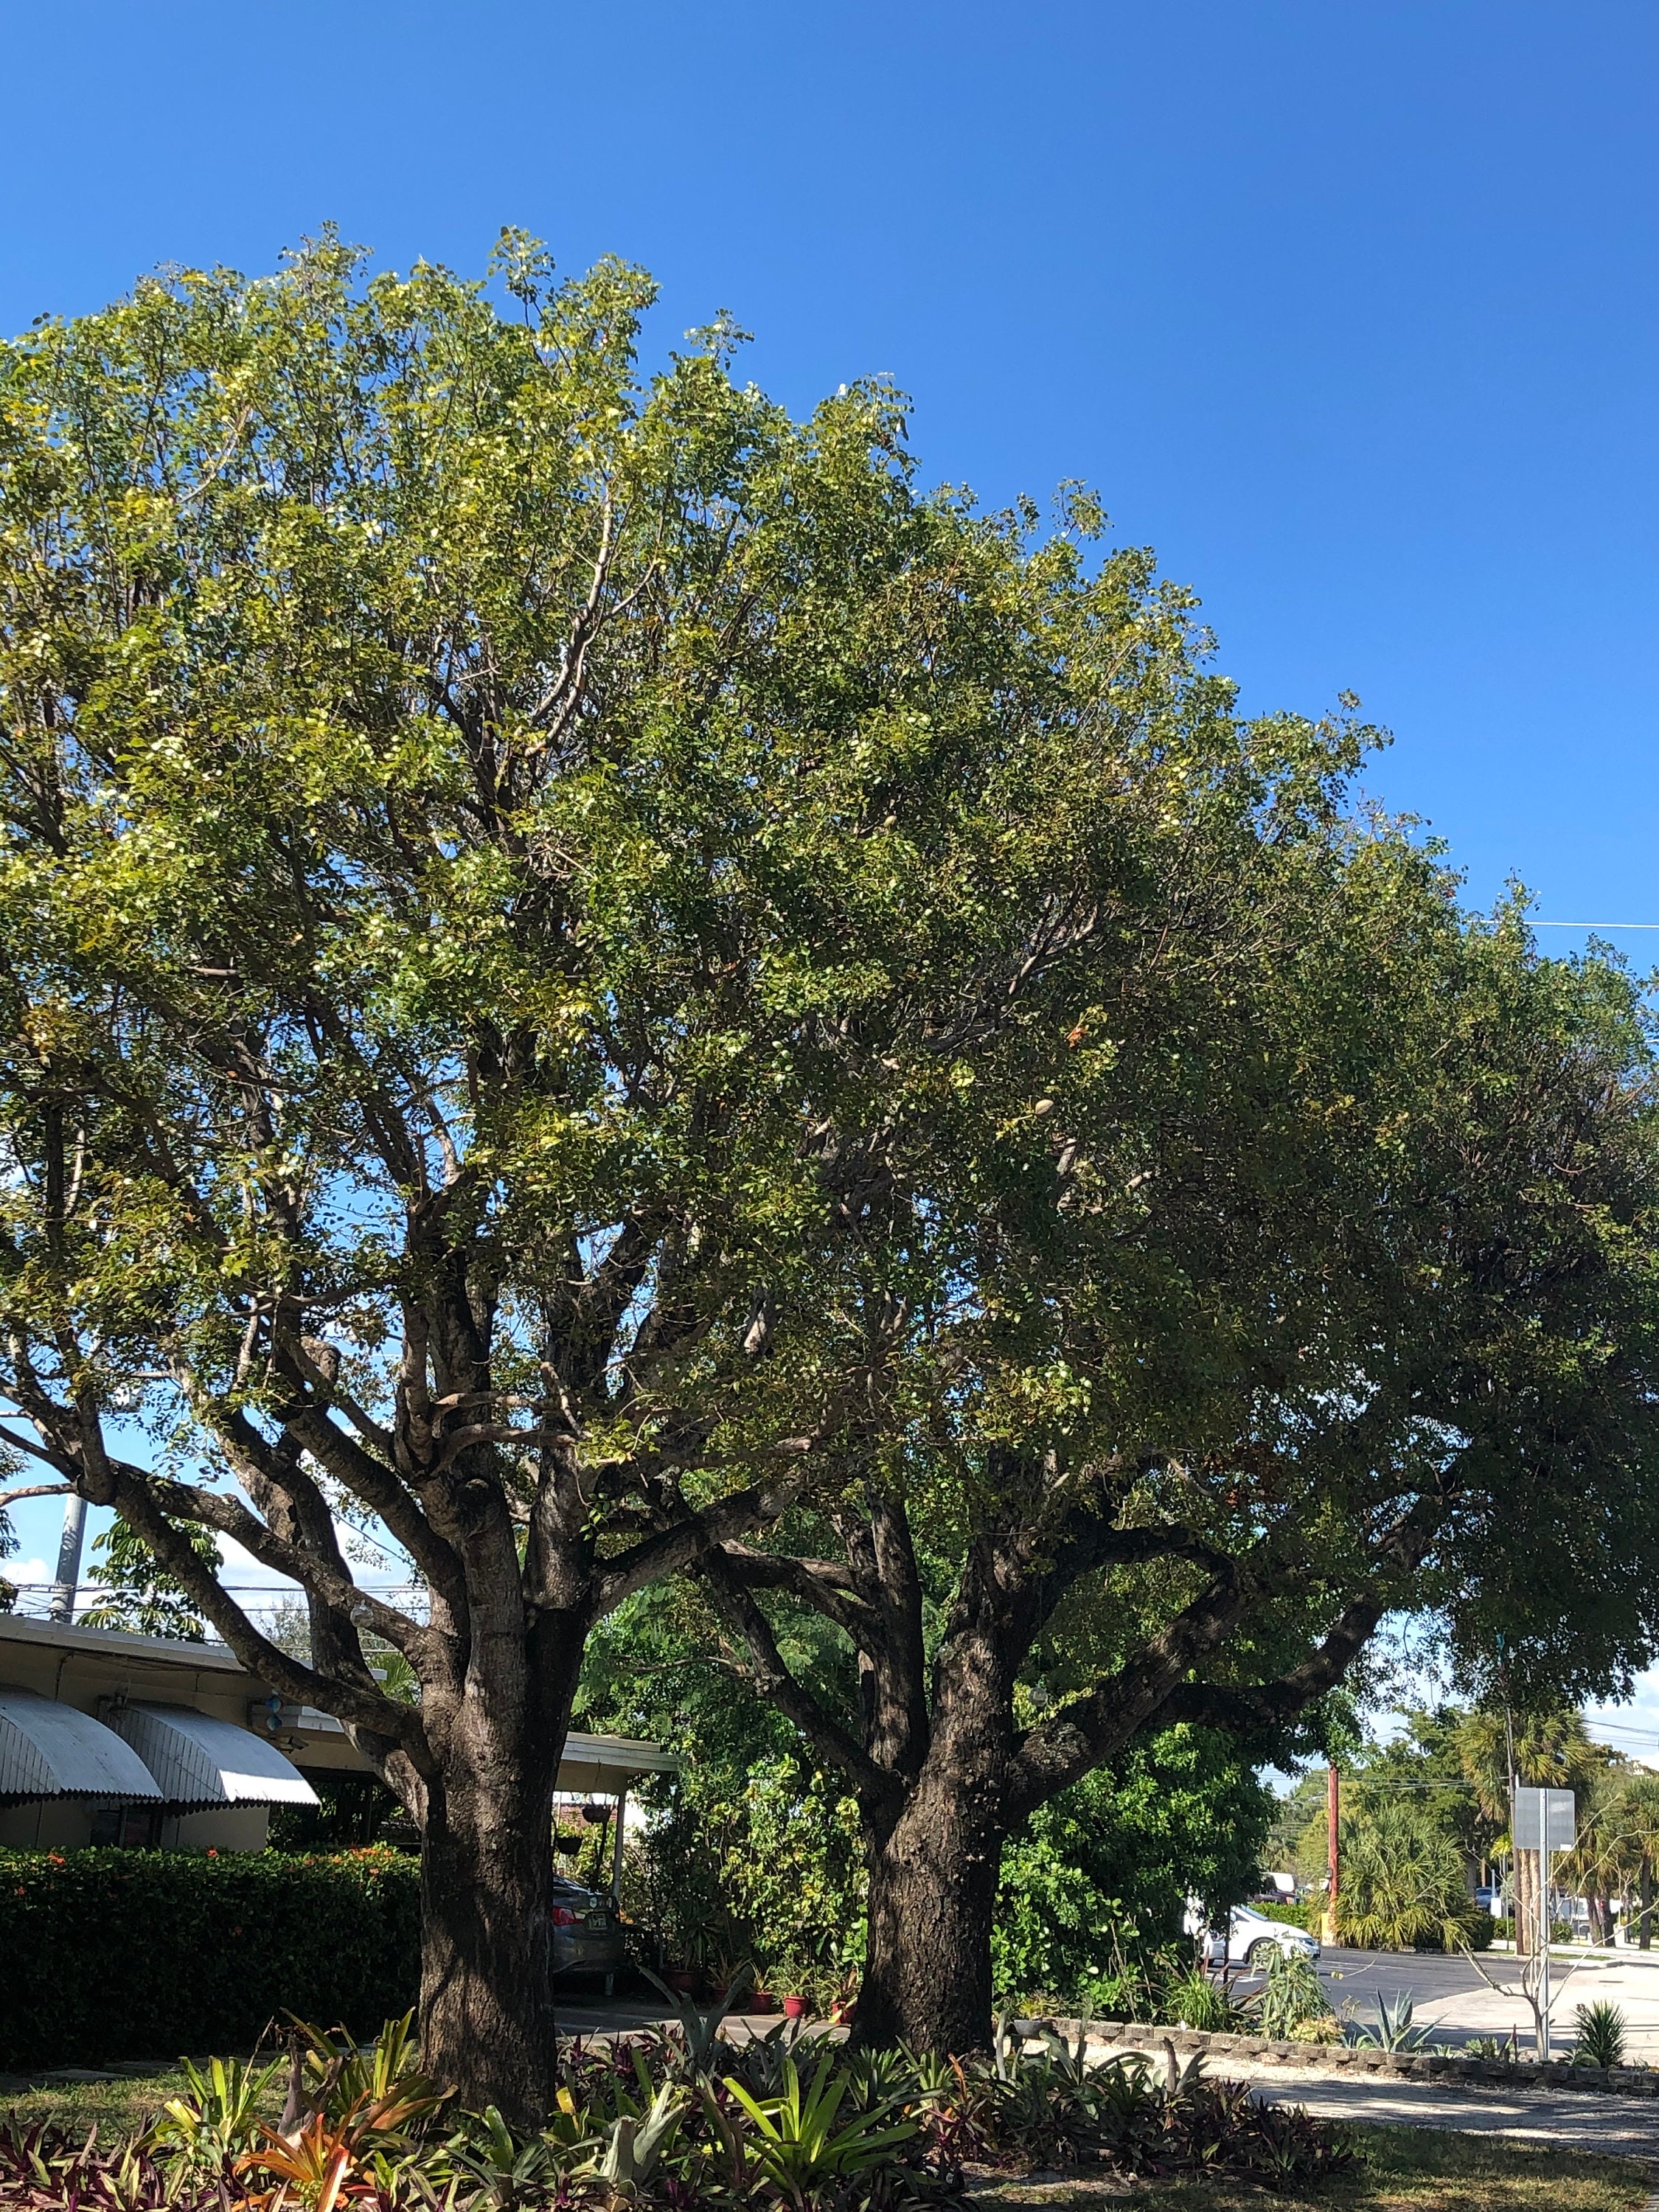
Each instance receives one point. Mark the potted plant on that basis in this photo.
(804, 1979)
(726, 1969)
(843, 1997)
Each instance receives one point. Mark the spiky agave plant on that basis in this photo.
(1394, 2030)
(1601, 2034)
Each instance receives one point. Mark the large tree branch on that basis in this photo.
(343, 1457)
(35, 1490)
(46, 1454)
(825, 1585)
(427, 1650)
(1064, 1748)
(673, 1549)
(877, 1789)
(1149, 1691)
(379, 1717)
(1274, 1704)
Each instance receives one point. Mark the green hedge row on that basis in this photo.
(139, 1954)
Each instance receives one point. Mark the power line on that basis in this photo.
(1593, 925)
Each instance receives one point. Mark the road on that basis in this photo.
(1452, 2000)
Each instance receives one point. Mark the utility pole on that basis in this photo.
(1333, 1857)
(62, 1607)
(1516, 1917)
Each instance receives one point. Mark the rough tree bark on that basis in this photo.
(941, 1772)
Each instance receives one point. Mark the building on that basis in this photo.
(106, 1738)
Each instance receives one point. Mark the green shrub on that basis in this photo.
(1095, 1883)
(768, 1871)
(135, 1954)
(1293, 1912)
(1600, 2035)
(1193, 2000)
(1291, 2003)
(1403, 1885)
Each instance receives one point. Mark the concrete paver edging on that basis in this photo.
(1357, 2059)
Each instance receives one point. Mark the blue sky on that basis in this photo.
(1350, 310)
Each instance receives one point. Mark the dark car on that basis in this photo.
(587, 1932)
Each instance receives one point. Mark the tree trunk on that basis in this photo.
(934, 1866)
(485, 1812)
(927, 1961)
(1645, 1941)
(486, 2012)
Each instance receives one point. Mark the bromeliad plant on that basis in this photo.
(663, 2123)
(218, 2117)
(796, 2144)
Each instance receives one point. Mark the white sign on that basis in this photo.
(1543, 1821)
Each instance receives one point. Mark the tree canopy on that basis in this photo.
(586, 969)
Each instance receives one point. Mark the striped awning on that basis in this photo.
(49, 1750)
(198, 1760)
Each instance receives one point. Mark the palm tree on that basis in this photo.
(1598, 1863)
(1402, 1881)
(1552, 1750)
(1634, 1824)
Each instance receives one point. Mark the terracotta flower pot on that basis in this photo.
(794, 2007)
(762, 2001)
(682, 1978)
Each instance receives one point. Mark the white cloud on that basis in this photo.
(241, 1571)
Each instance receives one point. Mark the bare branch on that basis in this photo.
(826, 1585)
(35, 1490)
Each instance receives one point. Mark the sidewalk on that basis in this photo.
(1621, 2127)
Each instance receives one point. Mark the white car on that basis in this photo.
(1250, 1936)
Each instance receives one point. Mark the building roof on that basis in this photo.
(169, 1650)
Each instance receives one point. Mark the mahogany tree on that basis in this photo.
(507, 864)
(1304, 1247)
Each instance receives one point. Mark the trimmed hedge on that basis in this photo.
(138, 1954)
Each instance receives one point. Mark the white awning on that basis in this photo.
(49, 1750)
(201, 1760)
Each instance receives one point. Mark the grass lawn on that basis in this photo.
(117, 2108)
(1399, 2170)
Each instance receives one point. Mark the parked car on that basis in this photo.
(1248, 1938)
(588, 1934)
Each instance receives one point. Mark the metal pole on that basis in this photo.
(1333, 1856)
(1544, 1857)
(62, 1607)
(616, 1847)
